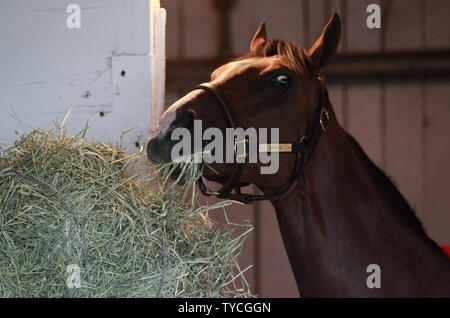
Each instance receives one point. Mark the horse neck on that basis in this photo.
(343, 215)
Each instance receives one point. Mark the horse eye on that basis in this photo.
(283, 81)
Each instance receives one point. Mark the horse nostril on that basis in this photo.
(158, 149)
(151, 150)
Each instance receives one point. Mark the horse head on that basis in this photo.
(275, 85)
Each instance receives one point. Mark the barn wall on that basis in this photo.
(106, 71)
(402, 124)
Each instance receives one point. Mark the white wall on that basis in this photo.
(108, 69)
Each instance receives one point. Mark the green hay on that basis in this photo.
(65, 201)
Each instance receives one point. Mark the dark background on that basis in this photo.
(389, 88)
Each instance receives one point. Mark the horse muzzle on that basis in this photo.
(159, 148)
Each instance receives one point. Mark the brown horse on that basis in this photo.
(337, 212)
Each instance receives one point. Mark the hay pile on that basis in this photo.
(66, 203)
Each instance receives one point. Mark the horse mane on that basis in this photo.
(295, 57)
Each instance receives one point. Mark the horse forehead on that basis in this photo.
(232, 69)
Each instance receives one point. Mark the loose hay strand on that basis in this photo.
(64, 200)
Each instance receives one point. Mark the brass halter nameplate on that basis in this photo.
(275, 147)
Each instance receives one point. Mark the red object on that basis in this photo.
(446, 249)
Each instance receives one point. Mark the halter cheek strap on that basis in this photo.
(303, 149)
(232, 181)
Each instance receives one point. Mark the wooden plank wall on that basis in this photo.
(104, 72)
(403, 125)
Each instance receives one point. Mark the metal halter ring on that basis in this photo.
(244, 148)
(324, 120)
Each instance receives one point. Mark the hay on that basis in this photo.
(66, 201)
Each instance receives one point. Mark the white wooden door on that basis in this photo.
(110, 70)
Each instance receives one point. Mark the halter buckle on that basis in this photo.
(244, 153)
(324, 118)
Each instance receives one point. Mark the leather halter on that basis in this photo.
(303, 149)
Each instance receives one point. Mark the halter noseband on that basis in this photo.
(303, 149)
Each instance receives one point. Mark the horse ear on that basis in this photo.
(259, 37)
(324, 50)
